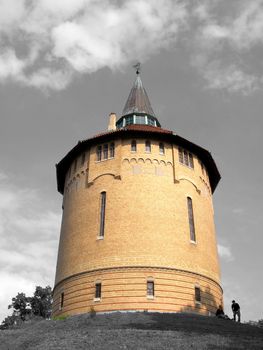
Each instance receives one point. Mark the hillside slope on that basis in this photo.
(133, 331)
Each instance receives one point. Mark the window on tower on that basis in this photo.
(151, 121)
(98, 291)
(191, 219)
(186, 158)
(102, 213)
(150, 289)
(105, 151)
(112, 150)
(148, 146)
(161, 148)
(140, 119)
(133, 146)
(197, 294)
(129, 120)
(61, 304)
(99, 151)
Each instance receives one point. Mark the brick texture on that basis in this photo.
(146, 234)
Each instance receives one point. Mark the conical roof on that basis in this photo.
(138, 100)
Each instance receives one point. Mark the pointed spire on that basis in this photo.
(138, 100)
(137, 109)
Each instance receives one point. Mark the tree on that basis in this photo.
(25, 307)
(41, 302)
(20, 304)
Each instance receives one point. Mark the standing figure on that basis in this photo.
(236, 310)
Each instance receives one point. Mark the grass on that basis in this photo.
(133, 331)
(60, 318)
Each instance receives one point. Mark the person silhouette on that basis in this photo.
(236, 310)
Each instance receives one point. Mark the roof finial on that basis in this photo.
(137, 66)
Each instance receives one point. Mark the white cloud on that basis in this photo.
(225, 252)
(45, 42)
(230, 78)
(29, 233)
(223, 43)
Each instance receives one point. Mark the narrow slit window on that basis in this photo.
(97, 290)
(191, 219)
(147, 146)
(197, 294)
(112, 150)
(161, 148)
(105, 151)
(102, 213)
(61, 300)
(99, 149)
(150, 288)
(133, 146)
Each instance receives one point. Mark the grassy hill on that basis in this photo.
(133, 331)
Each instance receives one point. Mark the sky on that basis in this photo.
(66, 64)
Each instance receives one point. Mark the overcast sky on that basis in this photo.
(66, 64)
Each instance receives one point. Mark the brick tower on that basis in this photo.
(137, 230)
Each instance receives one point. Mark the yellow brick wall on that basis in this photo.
(146, 226)
(125, 289)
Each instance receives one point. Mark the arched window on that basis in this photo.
(147, 146)
(99, 148)
(133, 146)
(112, 150)
(102, 213)
(161, 148)
(191, 219)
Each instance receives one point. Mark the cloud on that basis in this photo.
(229, 78)
(225, 253)
(223, 43)
(29, 234)
(45, 43)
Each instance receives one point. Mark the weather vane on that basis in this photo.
(137, 66)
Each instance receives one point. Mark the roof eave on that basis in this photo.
(206, 157)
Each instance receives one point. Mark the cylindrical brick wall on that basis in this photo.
(146, 236)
